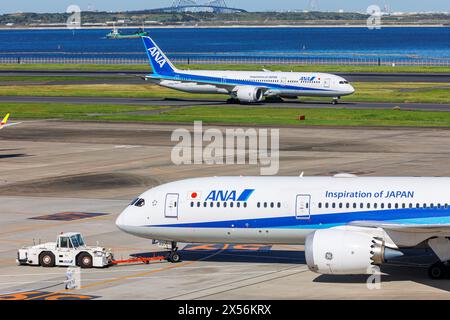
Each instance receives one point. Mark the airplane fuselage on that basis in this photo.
(284, 84)
(281, 210)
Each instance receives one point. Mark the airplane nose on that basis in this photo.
(120, 221)
(352, 90)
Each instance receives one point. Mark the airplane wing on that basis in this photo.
(404, 227)
(11, 124)
(229, 87)
(407, 234)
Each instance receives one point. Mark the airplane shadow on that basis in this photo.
(401, 270)
(231, 255)
(13, 155)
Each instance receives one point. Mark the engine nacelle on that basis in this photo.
(334, 251)
(249, 94)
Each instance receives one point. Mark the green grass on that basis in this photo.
(397, 92)
(231, 115)
(66, 111)
(299, 68)
(283, 116)
(52, 78)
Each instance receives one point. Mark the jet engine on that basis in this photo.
(333, 251)
(249, 94)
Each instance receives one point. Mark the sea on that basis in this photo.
(398, 43)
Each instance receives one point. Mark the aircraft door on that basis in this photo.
(171, 207)
(283, 81)
(327, 83)
(303, 206)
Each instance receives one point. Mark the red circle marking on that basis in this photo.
(194, 195)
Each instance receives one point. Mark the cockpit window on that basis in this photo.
(139, 203)
(343, 82)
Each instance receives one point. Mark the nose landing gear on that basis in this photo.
(335, 100)
(173, 255)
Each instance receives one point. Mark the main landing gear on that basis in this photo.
(173, 255)
(439, 270)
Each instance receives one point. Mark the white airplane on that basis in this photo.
(348, 224)
(244, 86)
(5, 123)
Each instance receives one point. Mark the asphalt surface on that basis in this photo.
(128, 76)
(204, 102)
(54, 167)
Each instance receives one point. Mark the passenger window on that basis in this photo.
(271, 205)
(245, 204)
(204, 204)
(368, 206)
(375, 205)
(354, 205)
(192, 203)
(382, 206)
(218, 204)
(326, 205)
(361, 205)
(340, 205)
(211, 204)
(238, 204)
(279, 205)
(258, 205)
(224, 204)
(320, 205)
(389, 205)
(265, 204)
(198, 204)
(231, 204)
(333, 205)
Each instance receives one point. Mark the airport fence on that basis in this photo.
(233, 60)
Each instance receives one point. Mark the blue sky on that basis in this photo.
(251, 5)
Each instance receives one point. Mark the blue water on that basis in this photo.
(398, 43)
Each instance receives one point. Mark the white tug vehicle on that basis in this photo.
(68, 250)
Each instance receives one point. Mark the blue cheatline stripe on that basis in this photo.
(245, 194)
(218, 81)
(408, 216)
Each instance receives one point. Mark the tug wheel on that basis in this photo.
(47, 259)
(85, 260)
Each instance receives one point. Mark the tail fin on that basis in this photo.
(5, 119)
(160, 64)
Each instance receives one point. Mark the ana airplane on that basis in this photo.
(5, 123)
(244, 86)
(348, 224)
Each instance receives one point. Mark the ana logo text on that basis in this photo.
(154, 52)
(307, 78)
(229, 195)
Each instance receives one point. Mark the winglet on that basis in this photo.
(5, 120)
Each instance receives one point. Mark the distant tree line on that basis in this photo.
(207, 18)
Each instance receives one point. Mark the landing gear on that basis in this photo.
(335, 100)
(439, 270)
(173, 255)
(233, 101)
